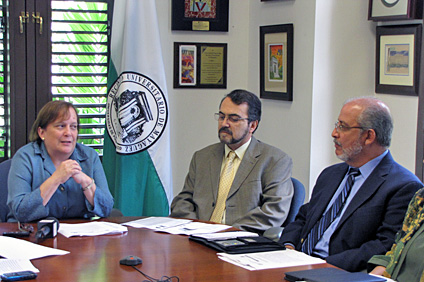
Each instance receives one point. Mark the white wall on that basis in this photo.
(334, 55)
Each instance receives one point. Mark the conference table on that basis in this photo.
(97, 258)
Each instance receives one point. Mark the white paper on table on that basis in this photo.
(226, 235)
(15, 265)
(14, 248)
(156, 223)
(94, 228)
(267, 260)
(193, 228)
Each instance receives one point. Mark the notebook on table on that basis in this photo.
(329, 274)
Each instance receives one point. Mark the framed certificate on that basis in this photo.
(200, 65)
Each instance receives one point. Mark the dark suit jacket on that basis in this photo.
(259, 197)
(371, 220)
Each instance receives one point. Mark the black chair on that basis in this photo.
(4, 173)
(274, 233)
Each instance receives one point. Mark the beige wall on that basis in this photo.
(334, 54)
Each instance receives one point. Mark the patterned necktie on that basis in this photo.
(319, 228)
(225, 182)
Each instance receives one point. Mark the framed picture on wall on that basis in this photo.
(200, 65)
(398, 55)
(389, 10)
(200, 15)
(276, 62)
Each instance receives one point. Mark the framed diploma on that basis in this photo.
(398, 52)
(200, 15)
(276, 62)
(200, 65)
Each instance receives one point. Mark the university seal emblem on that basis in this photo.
(136, 113)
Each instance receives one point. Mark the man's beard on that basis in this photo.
(229, 132)
(349, 153)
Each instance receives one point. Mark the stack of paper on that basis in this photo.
(266, 260)
(91, 229)
(176, 226)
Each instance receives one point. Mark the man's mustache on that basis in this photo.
(225, 129)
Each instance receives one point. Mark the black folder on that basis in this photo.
(241, 245)
(329, 274)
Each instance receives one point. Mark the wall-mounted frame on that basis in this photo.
(390, 10)
(206, 15)
(200, 65)
(276, 62)
(398, 55)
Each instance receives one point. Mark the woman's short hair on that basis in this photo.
(48, 114)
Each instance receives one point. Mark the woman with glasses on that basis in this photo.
(54, 176)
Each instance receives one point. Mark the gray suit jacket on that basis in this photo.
(259, 197)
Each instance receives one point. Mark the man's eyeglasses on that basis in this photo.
(340, 127)
(231, 118)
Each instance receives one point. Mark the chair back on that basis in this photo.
(4, 173)
(297, 201)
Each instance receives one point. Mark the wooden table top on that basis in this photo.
(97, 258)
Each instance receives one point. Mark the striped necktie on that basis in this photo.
(319, 228)
(226, 179)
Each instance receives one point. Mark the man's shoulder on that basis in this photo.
(401, 173)
(268, 149)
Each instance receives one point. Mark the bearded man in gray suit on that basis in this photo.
(261, 189)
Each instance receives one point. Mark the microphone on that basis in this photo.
(47, 228)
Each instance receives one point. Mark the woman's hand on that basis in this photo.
(66, 170)
(378, 270)
(63, 172)
(85, 181)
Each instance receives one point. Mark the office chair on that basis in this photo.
(274, 233)
(4, 173)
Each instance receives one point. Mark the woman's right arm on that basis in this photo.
(24, 198)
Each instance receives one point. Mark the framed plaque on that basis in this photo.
(398, 59)
(200, 65)
(276, 62)
(389, 10)
(200, 15)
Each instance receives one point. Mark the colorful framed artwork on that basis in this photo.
(390, 10)
(276, 62)
(398, 52)
(200, 65)
(200, 15)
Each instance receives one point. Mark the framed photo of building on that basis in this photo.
(389, 10)
(200, 15)
(276, 62)
(398, 52)
(200, 65)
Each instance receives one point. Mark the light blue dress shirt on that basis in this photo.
(321, 248)
(32, 165)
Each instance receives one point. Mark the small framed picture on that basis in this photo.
(398, 55)
(276, 62)
(389, 10)
(200, 65)
(200, 15)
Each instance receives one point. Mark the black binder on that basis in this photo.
(241, 245)
(329, 274)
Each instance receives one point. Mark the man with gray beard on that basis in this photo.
(356, 206)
